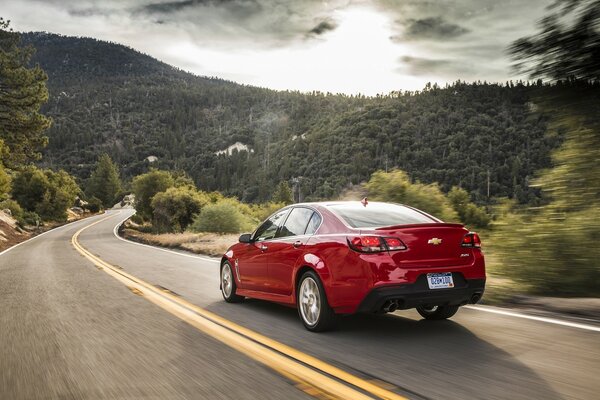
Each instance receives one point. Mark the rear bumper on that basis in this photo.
(412, 295)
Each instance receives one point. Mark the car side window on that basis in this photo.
(313, 224)
(296, 222)
(269, 228)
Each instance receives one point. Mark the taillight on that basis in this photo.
(471, 239)
(375, 244)
(394, 244)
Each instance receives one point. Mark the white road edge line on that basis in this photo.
(495, 310)
(116, 233)
(68, 224)
(489, 309)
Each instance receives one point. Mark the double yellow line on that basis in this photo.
(310, 374)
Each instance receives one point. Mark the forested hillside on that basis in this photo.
(109, 98)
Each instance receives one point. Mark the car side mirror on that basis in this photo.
(245, 238)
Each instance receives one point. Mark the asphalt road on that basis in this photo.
(70, 331)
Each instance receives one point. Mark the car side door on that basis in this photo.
(288, 246)
(251, 264)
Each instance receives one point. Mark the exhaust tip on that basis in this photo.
(390, 306)
(475, 298)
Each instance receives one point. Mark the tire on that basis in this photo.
(228, 285)
(313, 308)
(436, 313)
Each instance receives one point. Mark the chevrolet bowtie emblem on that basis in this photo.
(434, 241)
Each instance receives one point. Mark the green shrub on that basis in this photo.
(174, 209)
(469, 213)
(146, 186)
(395, 186)
(93, 205)
(46, 192)
(137, 219)
(14, 207)
(221, 217)
(30, 218)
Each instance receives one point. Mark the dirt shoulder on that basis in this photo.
(210, 244)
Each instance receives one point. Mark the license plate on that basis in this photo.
(440, 281)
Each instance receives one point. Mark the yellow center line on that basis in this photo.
(282, 358)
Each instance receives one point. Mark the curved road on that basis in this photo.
(68, 330)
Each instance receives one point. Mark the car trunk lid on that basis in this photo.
(428, 245)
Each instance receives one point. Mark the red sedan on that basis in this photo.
(334, 258)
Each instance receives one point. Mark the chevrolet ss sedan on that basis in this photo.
(344, 257)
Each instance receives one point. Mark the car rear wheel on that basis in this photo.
(437, 312)
(228, 286)
(313, 308)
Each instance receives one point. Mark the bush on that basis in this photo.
(395, 186)
(14, 207)
(221, 217)
(30, 218)
(93, 205)
(174, 209)
(45, 192)
(469, 213)
(146, 186)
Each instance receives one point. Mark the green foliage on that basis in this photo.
(395, 186)
(5, 183)
(45, 192)
(283, 193)
(469, 213)
(146, 186)
(15, 209)
(5, 179)
(30, 218)
(223, 216)
(22, 92)
(104, 183)
(260, 212)
(174, 209)
(94, 205)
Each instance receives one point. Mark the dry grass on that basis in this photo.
(210, 244)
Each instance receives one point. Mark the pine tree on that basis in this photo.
(22, 92)
(104, 183)
(283, 193)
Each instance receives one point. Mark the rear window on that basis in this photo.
(376, 215)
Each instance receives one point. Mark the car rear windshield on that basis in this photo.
(376, 215)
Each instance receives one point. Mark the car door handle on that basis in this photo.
(263, 248)
(297, 243)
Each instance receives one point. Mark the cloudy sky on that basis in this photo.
(348, 46)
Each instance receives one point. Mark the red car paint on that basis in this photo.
(270, 269)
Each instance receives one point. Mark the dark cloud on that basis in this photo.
(431, 28)
(419, 66)
(323, 27)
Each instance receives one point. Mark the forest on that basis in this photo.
(487, 138)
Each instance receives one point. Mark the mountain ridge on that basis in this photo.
(105, 97)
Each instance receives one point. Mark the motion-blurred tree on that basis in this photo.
(22, 92)
(552, 249)
(104, 183)
(567, 45)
